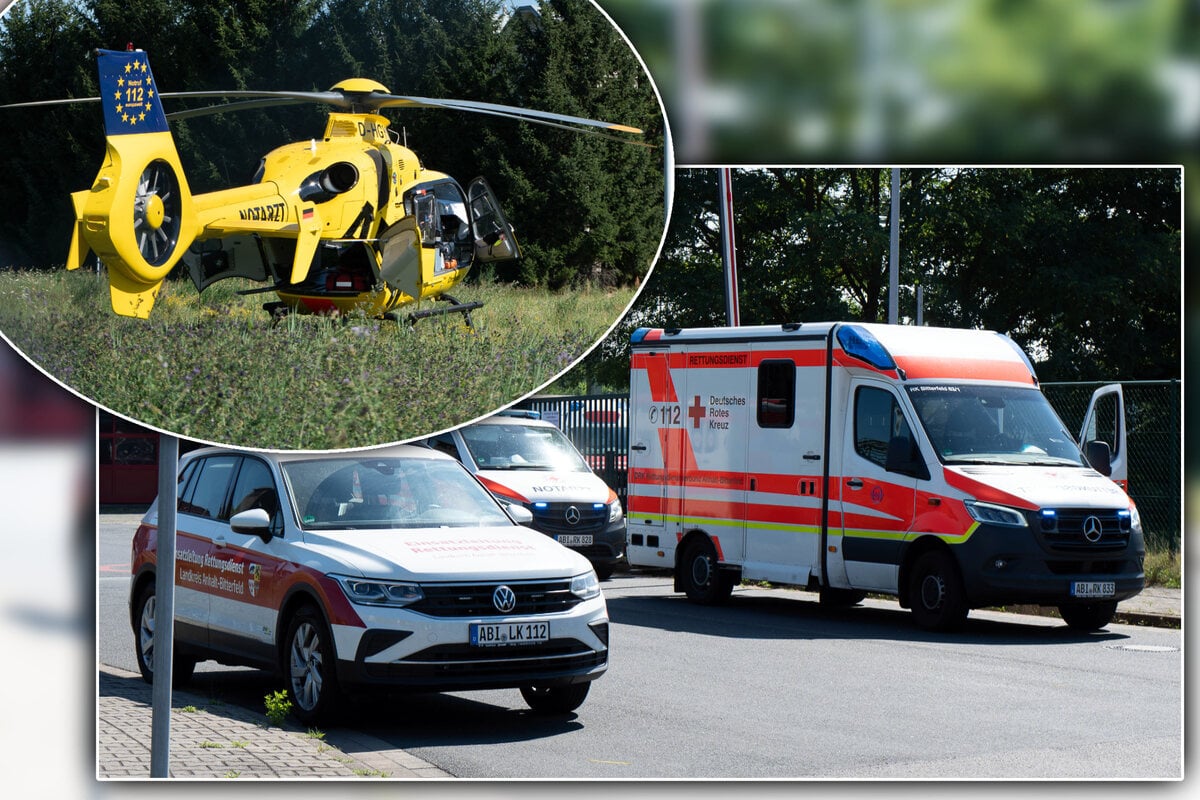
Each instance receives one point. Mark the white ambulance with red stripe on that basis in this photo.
(849, 458)
(366, 571)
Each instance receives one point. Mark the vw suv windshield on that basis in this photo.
(352, 492)
(980, 424)
(522, 447)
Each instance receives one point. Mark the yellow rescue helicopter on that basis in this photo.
(348, 222)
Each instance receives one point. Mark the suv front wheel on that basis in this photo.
(309, 666)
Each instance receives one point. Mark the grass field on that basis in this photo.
(213, 367)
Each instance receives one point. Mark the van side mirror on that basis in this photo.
(1099, 455)
(904, 457)
(252, 520)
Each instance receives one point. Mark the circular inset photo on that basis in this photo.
(322, 226)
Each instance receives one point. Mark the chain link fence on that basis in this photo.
(598, 425)
(1154, 431)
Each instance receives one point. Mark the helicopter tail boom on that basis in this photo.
(137, 216)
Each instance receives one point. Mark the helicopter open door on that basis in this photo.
(1104, 429)
(494, 237)
(213, 260)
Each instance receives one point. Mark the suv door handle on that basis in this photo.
(219, 541)
(854, 483)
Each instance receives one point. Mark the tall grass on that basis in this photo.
(214, 367)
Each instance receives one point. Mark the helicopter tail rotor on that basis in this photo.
(138, 215)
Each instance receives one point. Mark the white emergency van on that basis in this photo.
(528, 462)
(849, 458)
(367, 571)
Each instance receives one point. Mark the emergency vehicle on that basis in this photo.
(849, 458)
(528, 462)
(366, 571)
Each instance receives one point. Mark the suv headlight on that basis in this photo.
(990, 514)
(586, 586)
(396, 594)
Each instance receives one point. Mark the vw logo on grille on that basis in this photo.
(1093, 529)
(572, 515)
(504, 599)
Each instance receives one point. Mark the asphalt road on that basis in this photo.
(773, 685)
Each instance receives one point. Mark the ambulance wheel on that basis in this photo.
(555, 699)
(840, 598)
(309, 667)
(702, 580)
(603, 571)
(936, 592)
(1088, 617)
(181, 666)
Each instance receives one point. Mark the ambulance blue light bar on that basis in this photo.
(862, 344)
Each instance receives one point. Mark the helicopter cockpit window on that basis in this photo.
(441, 212)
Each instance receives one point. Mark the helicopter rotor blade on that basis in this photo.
(513, 112)
(64, 102)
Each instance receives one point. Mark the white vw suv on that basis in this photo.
(368, 570)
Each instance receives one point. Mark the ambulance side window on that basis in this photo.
(877, 419)
(776, 393)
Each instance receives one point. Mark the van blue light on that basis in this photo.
(541, 505)
(862, 344)
(639, 334)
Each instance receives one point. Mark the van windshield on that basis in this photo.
(980, 424)
(354, 492)
(538, 447)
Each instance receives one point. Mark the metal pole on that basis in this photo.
(894, 251)
(164, 609)
(728, 249)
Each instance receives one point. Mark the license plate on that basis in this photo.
(575, 539)
(1093, 589)
(493, 634)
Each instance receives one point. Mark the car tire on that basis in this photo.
(555, 699)
(603, 571)
(182, 667)
(1088, 617)
(310, 667)
(936, 593)
(702, 580)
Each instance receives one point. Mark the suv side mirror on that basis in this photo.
(904, 457)
(252, 520)
(1099, 455)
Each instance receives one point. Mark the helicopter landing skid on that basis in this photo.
(455, 307)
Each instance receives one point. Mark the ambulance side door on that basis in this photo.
(1105, 423)
(785, 466)
(878, 506)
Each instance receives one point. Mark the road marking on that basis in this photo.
(614, 763)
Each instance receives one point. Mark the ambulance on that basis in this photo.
(849, 458)
(527, 462)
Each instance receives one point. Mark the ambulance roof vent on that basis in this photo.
(792, 326)
(862, 344)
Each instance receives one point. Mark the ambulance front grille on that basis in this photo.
(554, 519)
(1086, 529)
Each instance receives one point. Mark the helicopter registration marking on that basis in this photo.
(275, 212)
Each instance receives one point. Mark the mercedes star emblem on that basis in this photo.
(1093, 529)
(572, 515)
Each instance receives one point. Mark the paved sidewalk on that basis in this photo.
(214, 740)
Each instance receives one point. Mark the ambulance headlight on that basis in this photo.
(990, 514)
(380, 593)
(615, 512)
(586, 586)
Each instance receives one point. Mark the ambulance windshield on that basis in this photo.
(519, 447)
(980, 424)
